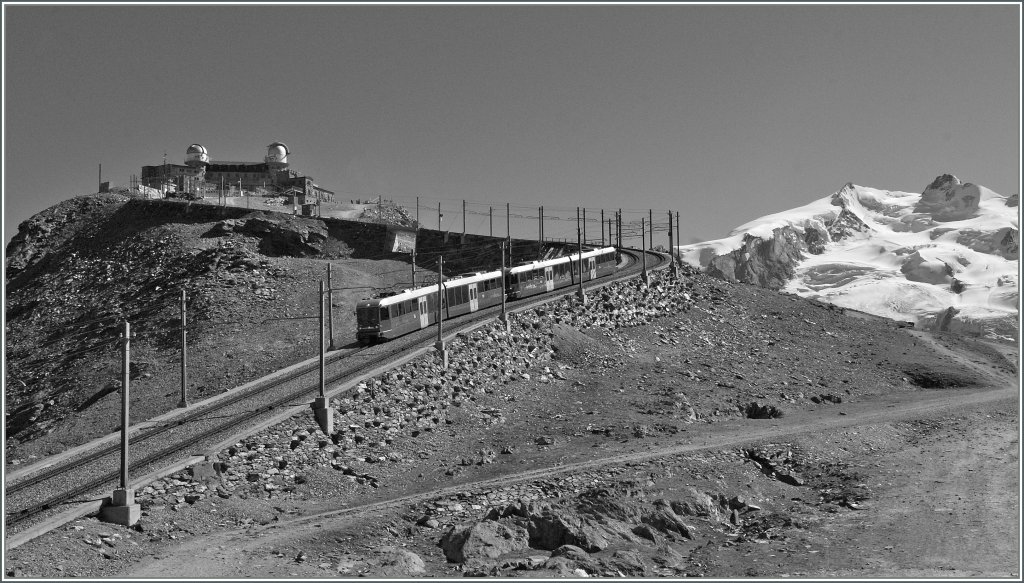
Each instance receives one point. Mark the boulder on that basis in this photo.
(489, 539)
(400, 563)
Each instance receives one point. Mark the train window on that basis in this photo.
(384, 313)
(366, 317)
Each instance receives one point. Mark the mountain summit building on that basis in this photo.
(201, 176)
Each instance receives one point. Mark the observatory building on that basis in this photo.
(201, 176)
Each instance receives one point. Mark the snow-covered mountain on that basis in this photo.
(945, 259)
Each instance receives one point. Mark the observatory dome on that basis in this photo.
(196, 155)
(277, 152)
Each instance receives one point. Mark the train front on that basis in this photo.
(368, 328)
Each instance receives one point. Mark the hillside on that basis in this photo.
(946, 258)
(75, 271)
(690, 427)
(686, 428)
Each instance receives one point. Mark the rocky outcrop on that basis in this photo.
(769, 263)
(947, 199)
(281, 235)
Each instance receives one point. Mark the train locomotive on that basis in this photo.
(414, 309)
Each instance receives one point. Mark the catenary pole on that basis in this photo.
(440, 297)
(184, 356)
(330, 304)
(126, 348)
(323, 349)
(504, 315)
(679, 256)
(650, 223)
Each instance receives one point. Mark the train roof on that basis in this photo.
(565, 258)
(422, 291)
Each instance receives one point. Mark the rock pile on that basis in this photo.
(598, 533)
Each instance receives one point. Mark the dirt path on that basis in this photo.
(983, 364)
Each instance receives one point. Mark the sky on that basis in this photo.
(723, 113)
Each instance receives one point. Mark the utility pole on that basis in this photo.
(323, 350)
(679, 255)
(618, 228)
(413, 262)
(508, 229)
(439, 345)
(330, 305)
(439, 215)
(321, 407)
(671, 247)
(504, 314)
(650, 221)
(463, 219)
(122, 508)
(602, 228)
(584, 225)
(184, 366)
(99, 185)
(579, 245)
(643, 252)
(417, 212)
(490, 219)
(125, 367)
(540, 231)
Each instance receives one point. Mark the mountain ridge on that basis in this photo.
(946, 258)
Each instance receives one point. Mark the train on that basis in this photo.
(389, 317)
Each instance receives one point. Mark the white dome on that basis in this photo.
(196, 154)
(277, 152)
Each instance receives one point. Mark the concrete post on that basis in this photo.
(122, 508)
(321, 407)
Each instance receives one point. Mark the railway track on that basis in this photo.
(41, 494)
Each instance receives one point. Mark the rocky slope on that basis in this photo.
(76, 271)
(643, 371)
(946, 258)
